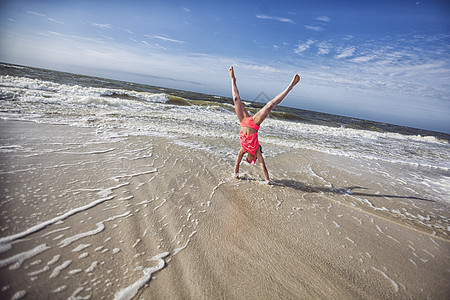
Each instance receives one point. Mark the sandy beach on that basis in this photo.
(93, 214)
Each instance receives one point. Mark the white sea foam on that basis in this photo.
(130, 291)
(40, 90)
(91, 267)
(44, 269)
(19, 258)
(42, 225)
(394, 284)
(58, 269)
(100, 228)
(19, 295)
(128, 176)
(59, 289)
(81, 247)
(177, 250)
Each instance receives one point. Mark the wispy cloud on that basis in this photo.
(304, 46)
(313, 28)
(103, 26)
(154, 46)
(164, 39)
(365, 58)
(56, 21)
(35, 13)
(324, 48)
(256, 67)
(285, 20)
(323, 19)
(346, 52)
(70, 37)
(44, 17)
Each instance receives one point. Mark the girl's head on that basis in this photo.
(251, 159)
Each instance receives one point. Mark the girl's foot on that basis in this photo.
(231, 71)
(294, 81)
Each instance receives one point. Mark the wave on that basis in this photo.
(137, 107)
(35, 90)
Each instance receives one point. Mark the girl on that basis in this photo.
(250, 125)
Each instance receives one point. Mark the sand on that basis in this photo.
(92, 214)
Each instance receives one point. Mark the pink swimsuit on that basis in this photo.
(249, 143)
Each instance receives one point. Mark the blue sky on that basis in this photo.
(380, 60)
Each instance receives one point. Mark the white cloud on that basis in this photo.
(154, 46)
(256, 67)
(348, 37)
(265, 17)
(69, 37)
(346, 52)
(164, 39)
(365, 58)
(107, 26)
(35, 13)
(56, 21)
(323, 51)
(324, 48)
(323, 19)
(313, 28)
(44, 16)
(303, 47)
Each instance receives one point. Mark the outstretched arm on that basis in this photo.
(238, 162)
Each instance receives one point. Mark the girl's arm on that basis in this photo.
(262, 163)
(238, 161)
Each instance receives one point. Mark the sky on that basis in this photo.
(383, 60)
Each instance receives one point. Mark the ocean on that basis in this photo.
(52, 97)
(340, 174)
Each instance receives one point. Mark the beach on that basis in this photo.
(93, 214)
(119, 190)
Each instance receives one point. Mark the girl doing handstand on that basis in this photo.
(250, 125)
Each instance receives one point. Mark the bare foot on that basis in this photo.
(294, 81)
(231, 71)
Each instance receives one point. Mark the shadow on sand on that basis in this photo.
(345, 191)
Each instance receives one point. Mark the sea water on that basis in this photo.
(45, 96)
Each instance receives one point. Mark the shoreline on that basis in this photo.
(351, 121)
(169, 221)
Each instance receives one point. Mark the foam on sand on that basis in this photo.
(11, 238)
(130, 291)
(18, 259)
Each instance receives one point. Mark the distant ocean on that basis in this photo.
(52, 97)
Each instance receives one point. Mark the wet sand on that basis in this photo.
(94, 214)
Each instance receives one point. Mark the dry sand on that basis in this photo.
(169, 222)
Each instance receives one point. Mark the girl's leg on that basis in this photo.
(241, 112)
(264, 112)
